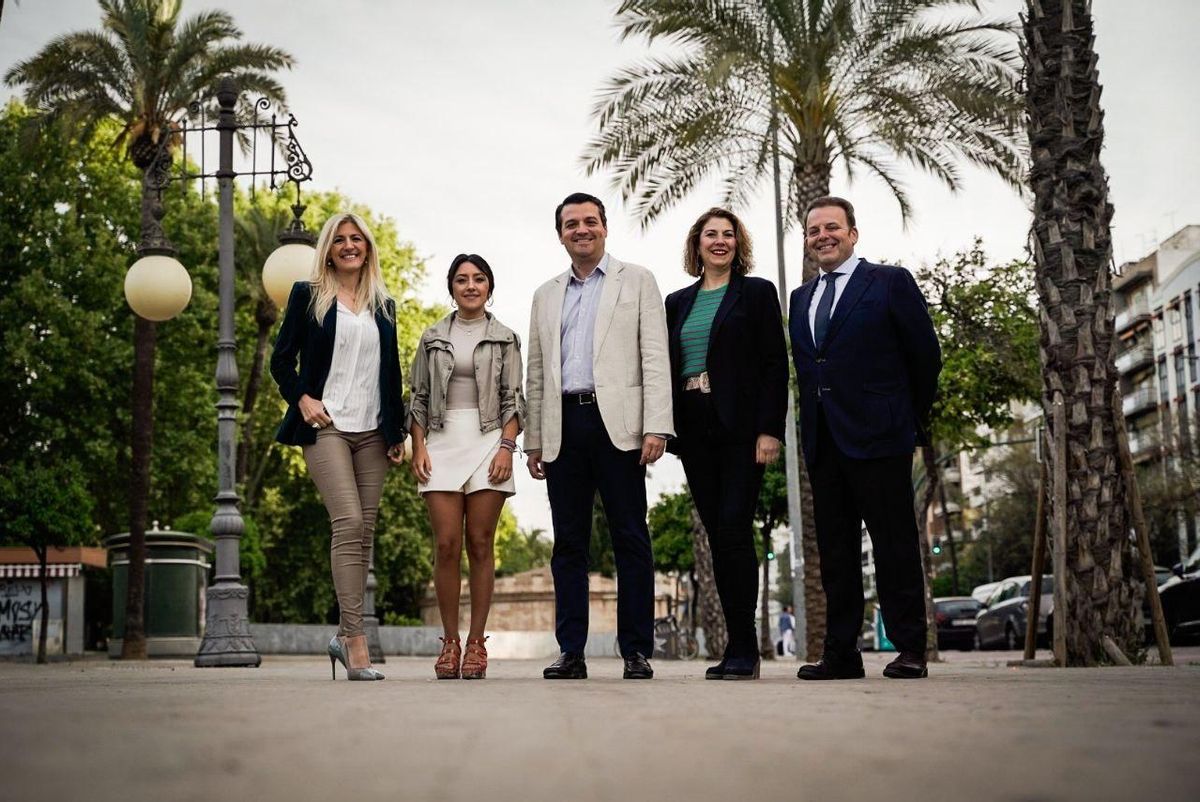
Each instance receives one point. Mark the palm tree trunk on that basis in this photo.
(712, 619)
(1073, 251)
(133, 646)
(932, 480)
(811, 181)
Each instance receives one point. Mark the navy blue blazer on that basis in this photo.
(876, 375)
(746, 359)
(301, 337)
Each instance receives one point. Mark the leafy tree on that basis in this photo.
(1072, 246)
(43, 503)
(142, 69)
(519, 550)
(987, 325)
(671, 532)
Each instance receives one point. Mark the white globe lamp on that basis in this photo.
(157, 287)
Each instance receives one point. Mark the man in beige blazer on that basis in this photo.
(598, 394)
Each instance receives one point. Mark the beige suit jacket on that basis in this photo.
(630, 361)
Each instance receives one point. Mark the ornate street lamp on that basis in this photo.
(157, 287)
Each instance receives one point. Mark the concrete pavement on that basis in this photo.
(976, 730)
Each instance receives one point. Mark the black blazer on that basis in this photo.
(301, 336)
(746, 360)
(877, 370)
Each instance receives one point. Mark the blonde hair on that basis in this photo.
(371, 292)
(743, 255)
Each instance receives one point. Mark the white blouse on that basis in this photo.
(352, 389)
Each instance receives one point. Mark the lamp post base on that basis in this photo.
(227, 640)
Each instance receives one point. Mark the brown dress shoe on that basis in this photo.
(908, 665)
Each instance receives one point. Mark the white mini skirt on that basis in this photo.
(460, 455)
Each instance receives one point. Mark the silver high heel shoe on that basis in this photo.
(337, 654)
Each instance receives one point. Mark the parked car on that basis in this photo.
(983, 592)
(1001, 624)
(1181, 601)
(955, 617)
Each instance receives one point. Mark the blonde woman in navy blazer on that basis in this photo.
(730, 377)
(345, 408)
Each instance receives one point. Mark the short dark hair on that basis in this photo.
(578, 197)
(743, 255)
(476, 260)
(832, 200)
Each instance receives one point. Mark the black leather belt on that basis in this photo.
(581, 399)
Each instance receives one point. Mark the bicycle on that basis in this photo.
(670, 641)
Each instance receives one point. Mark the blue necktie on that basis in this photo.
(824, 309)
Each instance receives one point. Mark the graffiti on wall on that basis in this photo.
(21, 613)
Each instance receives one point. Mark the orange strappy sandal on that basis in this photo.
(446, 666)
(474, 664)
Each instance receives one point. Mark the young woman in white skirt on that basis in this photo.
(466, 411)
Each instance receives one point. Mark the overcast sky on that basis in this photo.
(464, 119)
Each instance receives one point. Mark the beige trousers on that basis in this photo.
(348, 469)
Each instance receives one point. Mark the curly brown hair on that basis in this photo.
(743, 256)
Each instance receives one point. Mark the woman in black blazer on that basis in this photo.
(345, 408)
(729, 369)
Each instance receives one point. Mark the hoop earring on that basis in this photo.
(491, 300)
(453, 303)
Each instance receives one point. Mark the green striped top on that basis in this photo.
(693, 337)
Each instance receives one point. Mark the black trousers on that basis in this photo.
(724, 480)
(587, 462)
(878, 492)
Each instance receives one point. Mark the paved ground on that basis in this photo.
(976, 730)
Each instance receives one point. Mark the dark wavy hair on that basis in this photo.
(476, 260)
(743, 255)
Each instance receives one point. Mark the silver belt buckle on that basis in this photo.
(699, 382)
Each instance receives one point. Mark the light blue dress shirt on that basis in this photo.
(580, 304)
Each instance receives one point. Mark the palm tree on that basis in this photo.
(143, 67)
(1073, 251)
(864, 84)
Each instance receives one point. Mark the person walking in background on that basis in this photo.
(729, 377)
(465, 412)
(867, 363)
(345, 408)
(787, 630)
(599, 394)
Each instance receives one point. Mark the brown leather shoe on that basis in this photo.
(908, 665)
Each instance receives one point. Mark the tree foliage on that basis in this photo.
(863, 83)
(69, 215)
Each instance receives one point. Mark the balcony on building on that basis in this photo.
(1140, 400)
(1143, 445)
(1137, 311)
(1138, 356)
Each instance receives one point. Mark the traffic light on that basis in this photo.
(937, 546)
(770, 555)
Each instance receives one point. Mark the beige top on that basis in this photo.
(463, 391)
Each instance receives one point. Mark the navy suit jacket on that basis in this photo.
(746, 359)
(300, 336)
(875, 377)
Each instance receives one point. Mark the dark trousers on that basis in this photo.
(589, 462)
(724, 480)
(878, 492)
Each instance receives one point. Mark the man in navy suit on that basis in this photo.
(867, 363)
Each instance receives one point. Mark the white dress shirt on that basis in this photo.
(580, 304)
(352, 390)
(845, 270)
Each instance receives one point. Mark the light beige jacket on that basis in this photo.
(630, 361)
(497, 372)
